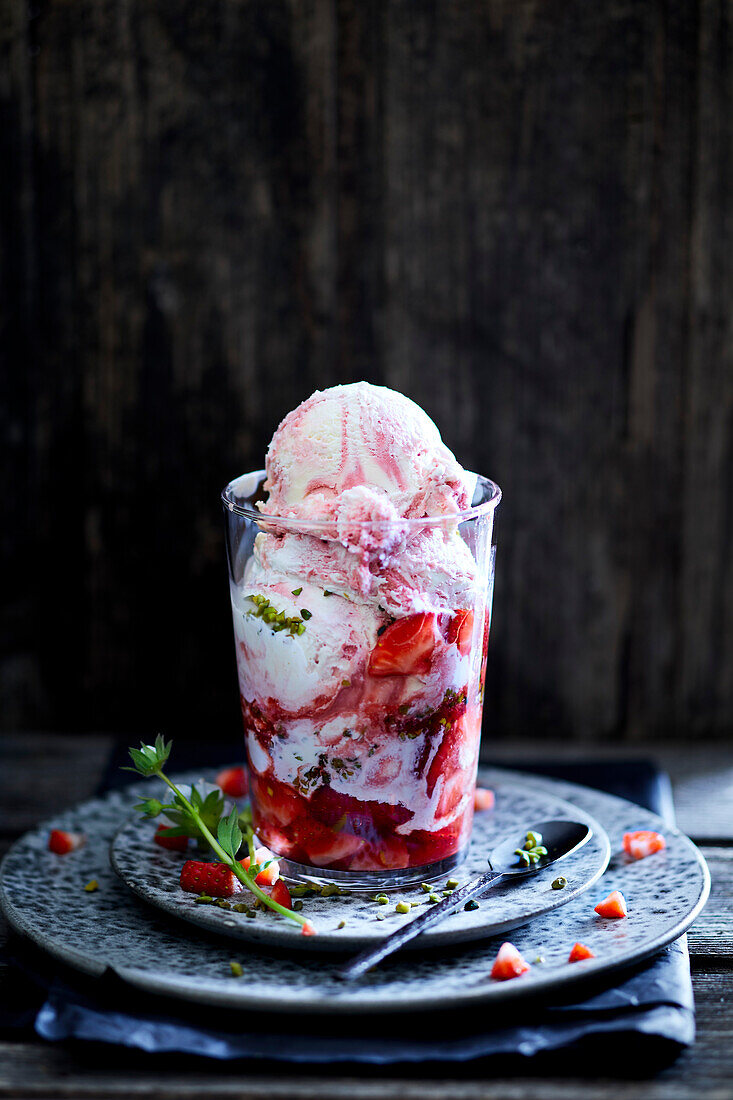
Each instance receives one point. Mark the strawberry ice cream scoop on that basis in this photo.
(362, 435)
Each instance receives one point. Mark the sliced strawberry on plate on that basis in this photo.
(483, 799)
(405, 648)
(643, 843)
(233, 782)
(281, 894)
(614, 906)
(271, 873)
(61, 842)
(172, 843)
(508, 964)
(215, 879)
(580, 951)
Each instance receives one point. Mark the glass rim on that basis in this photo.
(294, 523)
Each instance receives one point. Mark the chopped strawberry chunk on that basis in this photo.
(446, 764)
(215, 879)
(308, 929)
(483, 799)
(327, 847)
(233, 781)
(281, 894)
(614, 906)
(61, 842)
(462, 625)
(508, 963)
(405, 647)
(172, 843)
(271, 873)
(643, 843)
(580, 951)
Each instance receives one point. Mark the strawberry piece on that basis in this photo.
(308, 929)
(508, 964)
(281, 894)
(447, 764)
(460, 631)
(60, 842)
(405, 648)
(614, 906)
(643, 843)
(233, 782)
(172, 843)
(325, 848)
(580, 951)
(483, 799)
(215, 879)
(276, 800)
(270, 874)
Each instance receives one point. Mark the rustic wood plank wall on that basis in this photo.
(520, 212)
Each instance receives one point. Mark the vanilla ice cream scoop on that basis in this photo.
(355, 436)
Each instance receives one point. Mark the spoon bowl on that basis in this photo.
(560, 838)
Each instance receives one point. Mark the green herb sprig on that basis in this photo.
(202, 817)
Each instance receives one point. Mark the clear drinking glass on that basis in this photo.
(361, 726)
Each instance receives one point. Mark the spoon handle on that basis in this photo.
(434, 915)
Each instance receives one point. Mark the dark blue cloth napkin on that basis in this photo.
(650, 1007)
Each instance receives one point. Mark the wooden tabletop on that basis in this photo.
(41, 774)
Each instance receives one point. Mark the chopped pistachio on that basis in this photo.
(297, 905)
(451, 883)
(297, 591)
(402, 907)
(91, 886)
(559, 883)
(329, 890)
(471, 905)
(341, 924)
(382, 899)
(236, 969)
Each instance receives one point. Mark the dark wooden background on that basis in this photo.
(519, 212)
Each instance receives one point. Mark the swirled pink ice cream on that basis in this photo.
(361, 626)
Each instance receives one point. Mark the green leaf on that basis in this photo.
(162, 749)
(229, 834)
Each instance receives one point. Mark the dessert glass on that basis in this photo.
(361, 775)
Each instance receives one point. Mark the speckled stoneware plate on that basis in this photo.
(153, 874)
(43, 898)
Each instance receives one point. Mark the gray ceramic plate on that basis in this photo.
(43, 898)
(153, 874)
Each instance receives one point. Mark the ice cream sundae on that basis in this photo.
(361, 577)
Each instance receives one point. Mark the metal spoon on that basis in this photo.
(560, 838)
